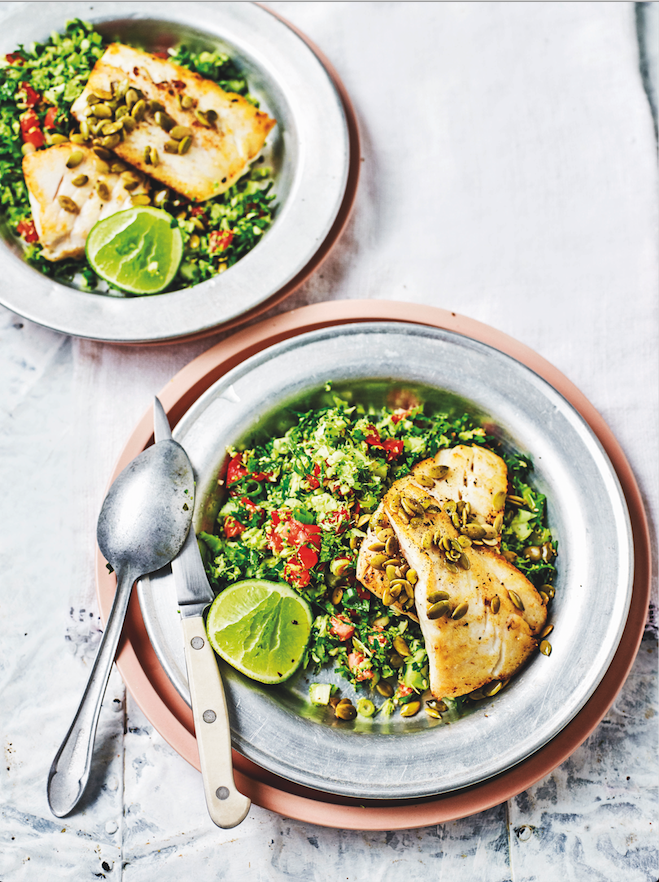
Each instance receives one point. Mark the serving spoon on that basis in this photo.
(142, 526)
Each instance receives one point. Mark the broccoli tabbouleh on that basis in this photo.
(297, 509)
(38, 85)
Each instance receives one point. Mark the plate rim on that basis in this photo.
(316, 254)
(148, 685)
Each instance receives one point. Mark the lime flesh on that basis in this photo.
(260, 628)
(137, 250)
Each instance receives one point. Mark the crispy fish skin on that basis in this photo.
(217, 156)
(467, 653)
(63, 233)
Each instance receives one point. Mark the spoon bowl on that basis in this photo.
(143, 524)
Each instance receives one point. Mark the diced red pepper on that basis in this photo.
(377, 638)
(362, 593)
(51, 118)
(197, 210)
(373, 438)
(31, 97)
(233, 528)
(340, 627)
(30, 129)
(219, 240)
(28, 231)
(404, 691)
(400, 415)
(15, 58)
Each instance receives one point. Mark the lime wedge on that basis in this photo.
(137, 250)
(261, 628)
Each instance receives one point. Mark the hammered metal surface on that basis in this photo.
(377, 758)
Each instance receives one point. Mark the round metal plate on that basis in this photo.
(276, 727)
(309, 149)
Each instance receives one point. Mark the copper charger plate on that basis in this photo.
(171, 716)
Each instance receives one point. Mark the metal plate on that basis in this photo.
(309, 149)
(276, 727)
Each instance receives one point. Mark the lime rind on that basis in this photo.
(260, 628)
(137, 250)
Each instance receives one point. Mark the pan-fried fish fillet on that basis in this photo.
(218, 155)
(373, 577)
(466, 653)
(63, 233)
(475, 475)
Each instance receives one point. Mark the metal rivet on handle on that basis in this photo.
(222, 793)
(209, 716)
(197, 642)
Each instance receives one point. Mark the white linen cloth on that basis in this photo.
(509, 173)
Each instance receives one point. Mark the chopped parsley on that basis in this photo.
(297, 509)
(38, 85)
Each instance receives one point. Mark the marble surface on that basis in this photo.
(509, 173)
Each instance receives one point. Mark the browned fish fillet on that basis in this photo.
(219, 153)
(481, 645)
(64, 213)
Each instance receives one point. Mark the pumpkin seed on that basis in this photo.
(395, 660)
(492, 688)
(194, 241)
(186, 101)
(437, 538)
(75, 139)
(532, 553)
(451, 567)
(156, 106)
(549, 590)
(129, 124)
(390, 571)
(547, 552)
(546, 632)
(68, 204)
(436, 596)
(111, 128)
(93, 99)
(545, 647)
(138, 110)
(439, 472)
(393, 562)
(543, 597)
(171, 146)
(391, 546)
(155, 159)
(460, 610)
(376, 546)
(102, 190)
(110, 141)
(499, 499)
(496, 604)
(412, 577)
(180, 132)
(510, 556)
(450, 506)
(211, 115)
(401, 647)
(80, 180)
(424, 480)
(337, 596)
(184, 145)
(101, 152)
(363, 520)
(394, 502)
(202, 118)
(75, 159)
(387, 597)
(163, 121)
(410, 709)
(516, 599)
(433, 712)
(119, 90)
(491, 543)
(457, 523)
(516, 500)
(345, 710)
(140, 199)
(409, 507)
(437, 610)
(386, 690)
(102, 111)
(377, 561)
(102, 166)
(498, 522)
(394, 590)
(464, 561)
